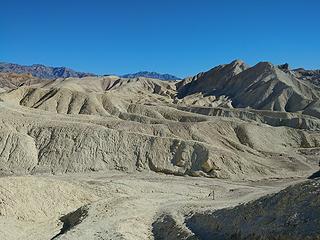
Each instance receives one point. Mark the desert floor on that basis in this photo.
(114, 205)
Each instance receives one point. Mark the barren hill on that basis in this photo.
(10, 81)
(263, 87)
(146, 124)
(133, 158)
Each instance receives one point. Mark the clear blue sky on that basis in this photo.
(181, 37)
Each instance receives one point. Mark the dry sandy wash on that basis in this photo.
(118, 158)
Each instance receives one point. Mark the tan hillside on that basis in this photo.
(14, 80)
(130, 158)
(263, 87)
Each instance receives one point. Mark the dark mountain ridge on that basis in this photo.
(42, 71)
(48, 72)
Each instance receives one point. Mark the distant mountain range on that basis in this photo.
(47, 72)
(154, 75)
(42, 71)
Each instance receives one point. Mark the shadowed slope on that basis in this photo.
(290, 214)
(263, 86)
